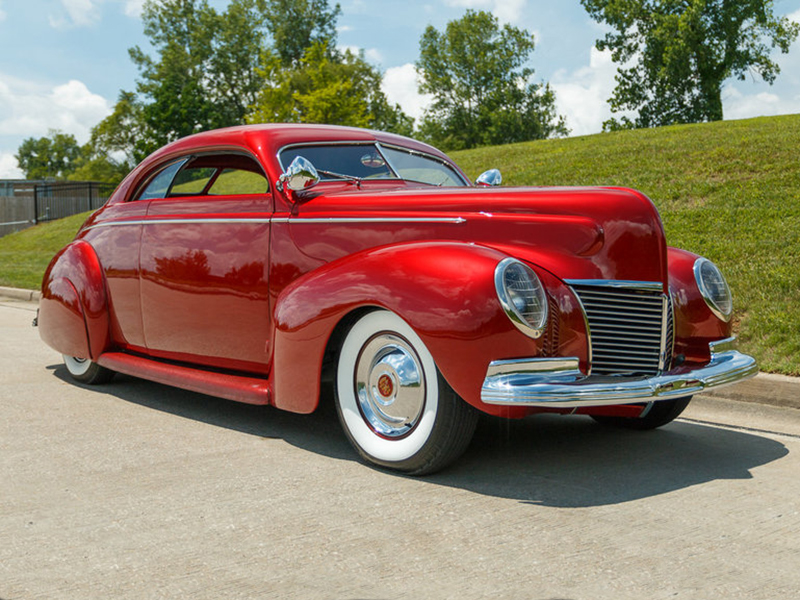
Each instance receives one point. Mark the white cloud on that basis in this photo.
(506, 11)
(400, 87)
(373, 55)
(133, 8)
(9, 168)
(2, 12)
(795, 16)
(582, 96)
(79, 13)
(738, 105)
(30, 110)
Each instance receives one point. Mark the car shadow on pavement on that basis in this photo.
(547, 460)
(572, 462)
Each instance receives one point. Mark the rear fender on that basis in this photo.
(73, 311)
(444, 290)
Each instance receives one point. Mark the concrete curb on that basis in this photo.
(764, 388)
(19, 294)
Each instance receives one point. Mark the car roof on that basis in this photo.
(271, 137)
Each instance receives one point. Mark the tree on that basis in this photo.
(676, 54)
(123, 134)
(52, 157)
(204, 73)
(207, 69)
(482, 93)
(330, 87)
(296, 25)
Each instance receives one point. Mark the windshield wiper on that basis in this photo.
(350, 178)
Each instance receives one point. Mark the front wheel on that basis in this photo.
(660, 413)
(394, 405)
(86, 371)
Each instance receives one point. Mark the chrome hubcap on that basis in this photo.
(390, 385)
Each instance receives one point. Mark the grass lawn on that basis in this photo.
(729, 191)
(25, 255)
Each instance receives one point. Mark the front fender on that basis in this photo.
(73, 311)
(444, 290)
(695, 324)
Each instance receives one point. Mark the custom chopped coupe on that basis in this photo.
(259, 263)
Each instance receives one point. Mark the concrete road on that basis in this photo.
(136, 490)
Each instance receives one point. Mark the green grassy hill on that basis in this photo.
(729, 191)
(25, 255)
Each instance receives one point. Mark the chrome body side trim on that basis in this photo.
(547, 382)
(177, 221)
(307, 220)
(293, 220)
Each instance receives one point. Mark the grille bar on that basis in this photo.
(630, 327)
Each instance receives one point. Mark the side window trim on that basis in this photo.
(186, 161)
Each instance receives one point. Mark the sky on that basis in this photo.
(64, 62)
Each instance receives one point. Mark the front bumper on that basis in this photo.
(557, 382)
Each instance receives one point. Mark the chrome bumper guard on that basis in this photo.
(557, 382)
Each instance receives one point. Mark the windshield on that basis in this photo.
(374, 162)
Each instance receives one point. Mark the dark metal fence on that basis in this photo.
(57, 200)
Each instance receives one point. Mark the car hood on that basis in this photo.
(575, 233)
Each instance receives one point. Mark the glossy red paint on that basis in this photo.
(425, 283)
(695, 324)
(74, 309)
(249, 292)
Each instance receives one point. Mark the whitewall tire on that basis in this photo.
(393, 403)
(86, 371)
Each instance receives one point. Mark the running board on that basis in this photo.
(250, 390)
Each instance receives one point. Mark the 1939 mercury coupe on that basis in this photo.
(258, 263)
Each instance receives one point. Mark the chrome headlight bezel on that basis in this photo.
(714, 289)
(531, 319)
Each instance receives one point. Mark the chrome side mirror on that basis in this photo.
(492, 177)
(300, 176)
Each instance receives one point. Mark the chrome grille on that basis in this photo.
(629, 327)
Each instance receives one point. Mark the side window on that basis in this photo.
(208, 175)
(239, 182)
(192, 181)
(159, 185)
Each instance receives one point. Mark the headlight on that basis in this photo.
(522, 296)
(714, 288)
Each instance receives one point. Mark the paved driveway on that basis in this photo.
(136, 490)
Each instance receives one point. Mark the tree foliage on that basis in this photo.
(212, 69)
(326, 86)
(52, 157)
(58, 156)
(676, 54)
(295, 26)
(204, 74)
(476, 72)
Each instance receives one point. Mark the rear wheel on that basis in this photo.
(86, 371)
(394, 405)
(660, 413)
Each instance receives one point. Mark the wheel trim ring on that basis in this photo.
(389, 356)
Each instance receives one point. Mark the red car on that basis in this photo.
(258, 263)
